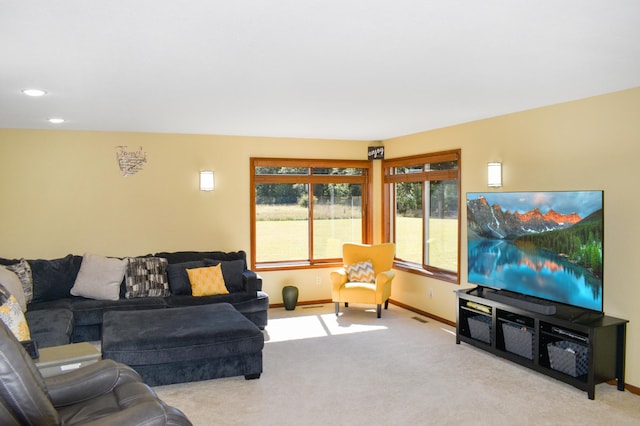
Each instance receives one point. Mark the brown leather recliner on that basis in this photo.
(104, 393)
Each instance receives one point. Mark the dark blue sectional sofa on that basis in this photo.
(56, 317)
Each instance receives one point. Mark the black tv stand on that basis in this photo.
(577, 346)
(521, 301)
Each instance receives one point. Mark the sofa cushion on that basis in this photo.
(189, 256)
(50, 327)
(232, 298)
(178, 277)
(4, 261)
(232, 271)
(90, 311)
(99, 277)
(215, 331)
(51, 304)
(207, 281)
(146, 276)
(12, 283)
(23, 271)
(11, 314)
(53, 279)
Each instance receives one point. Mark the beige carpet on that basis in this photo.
(360, 370)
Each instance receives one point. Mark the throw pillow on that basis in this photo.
(12, 283)
(361, 272)
(99, 277)
(12, 316)
(178, 277)
(146, 276)
(207, 281)
(232, 272)
(53, 279)
(23, 271)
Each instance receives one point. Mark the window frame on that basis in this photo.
(309, 179)
(388, 210)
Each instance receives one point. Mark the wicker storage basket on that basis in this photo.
(568, 357)
(480, 328)
(518, 339)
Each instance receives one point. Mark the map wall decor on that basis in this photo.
(130, 162)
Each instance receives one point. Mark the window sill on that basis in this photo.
(442, 275)
(284, 266)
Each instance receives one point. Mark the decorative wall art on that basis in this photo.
(130, 162)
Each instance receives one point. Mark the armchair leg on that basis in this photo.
(386, 304)
(379, 310)
(337, 308)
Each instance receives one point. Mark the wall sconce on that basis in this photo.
(207, 182)
(494, 174)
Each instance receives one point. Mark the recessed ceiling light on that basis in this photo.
(34, 92)
(56, 120)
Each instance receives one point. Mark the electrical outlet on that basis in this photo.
(317, 280)
(430, 293)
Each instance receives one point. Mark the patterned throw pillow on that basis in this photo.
(11, 314)
(207, 281)
(146, 276)
(12, 283)
(361, 272)
(23, 271)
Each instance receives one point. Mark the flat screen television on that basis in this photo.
(548, 245)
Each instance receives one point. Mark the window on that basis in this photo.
(422, 213)
(304, 210)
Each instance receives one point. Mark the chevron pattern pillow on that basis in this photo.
(361, 272)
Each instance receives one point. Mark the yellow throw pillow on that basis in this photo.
(12, 316)
(207, 281)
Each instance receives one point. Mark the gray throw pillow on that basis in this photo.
(99, 277)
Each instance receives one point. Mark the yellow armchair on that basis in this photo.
(366, 285)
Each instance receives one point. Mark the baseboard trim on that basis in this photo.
(393, 302)
(423, 313)
(632, 389)
(308, 302)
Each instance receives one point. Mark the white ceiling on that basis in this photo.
(345, 69)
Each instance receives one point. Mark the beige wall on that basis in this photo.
(62, 192)
(587, 144)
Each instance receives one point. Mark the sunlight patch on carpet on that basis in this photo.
(311, 326)
(295, 328)
(337, 326)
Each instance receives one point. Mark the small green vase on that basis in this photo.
(290, 297)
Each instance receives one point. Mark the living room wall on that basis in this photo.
(587, 144)
(67, 193)
(63, 192)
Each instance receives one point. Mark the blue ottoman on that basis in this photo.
(186, 344)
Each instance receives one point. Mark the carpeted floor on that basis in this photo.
(397, 370)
